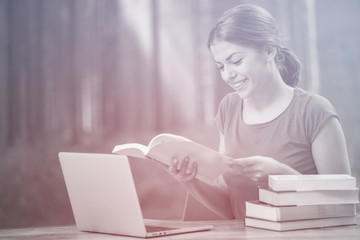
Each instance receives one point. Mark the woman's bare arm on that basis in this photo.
(329, 149)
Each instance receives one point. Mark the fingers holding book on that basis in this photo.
(183, 171)
(257, 168)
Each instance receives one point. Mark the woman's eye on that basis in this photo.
(220, 67)
(237, 61)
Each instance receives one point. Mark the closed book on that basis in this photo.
(318, 197)
(300, 224)
(257, 209)
(311, 182)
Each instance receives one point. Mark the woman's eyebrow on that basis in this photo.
(230, 56)
(235, 53)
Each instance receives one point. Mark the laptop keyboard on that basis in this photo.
(158, 228)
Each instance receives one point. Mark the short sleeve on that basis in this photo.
(219, 118)
(319, 110)
(226, 108)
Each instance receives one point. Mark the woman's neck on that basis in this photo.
(267, 103)
(268, 94)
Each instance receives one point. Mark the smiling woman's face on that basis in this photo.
(245, 69)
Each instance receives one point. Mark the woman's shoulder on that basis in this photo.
(307, 97)
(310, 101)
(231, 98)
(229, 101)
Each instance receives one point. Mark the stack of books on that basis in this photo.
(293, 202)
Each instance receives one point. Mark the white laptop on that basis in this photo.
(104, 199)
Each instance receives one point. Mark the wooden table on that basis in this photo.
(223, 230)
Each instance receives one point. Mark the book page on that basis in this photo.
(311, 182)
(311, 177)
(131, 149)
(166, 137)
(211, 164)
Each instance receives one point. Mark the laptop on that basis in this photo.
(104, 199)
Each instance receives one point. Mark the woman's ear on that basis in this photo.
(271, 53)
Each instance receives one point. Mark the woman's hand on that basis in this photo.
(258, 168)
(183, 172)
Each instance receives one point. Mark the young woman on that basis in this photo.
(267, 125)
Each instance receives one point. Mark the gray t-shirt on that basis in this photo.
(287, 138)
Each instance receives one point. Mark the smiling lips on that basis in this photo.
(239, 84)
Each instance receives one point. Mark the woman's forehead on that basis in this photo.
(223, 50)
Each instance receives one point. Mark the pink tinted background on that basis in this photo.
(85, 75)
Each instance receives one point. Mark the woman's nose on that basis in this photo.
(229, 75)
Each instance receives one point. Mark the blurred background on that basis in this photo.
(85, 75)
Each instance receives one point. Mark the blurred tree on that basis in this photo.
(87, 74)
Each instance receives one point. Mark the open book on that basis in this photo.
(165, 147)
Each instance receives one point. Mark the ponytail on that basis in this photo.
(289, 66)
